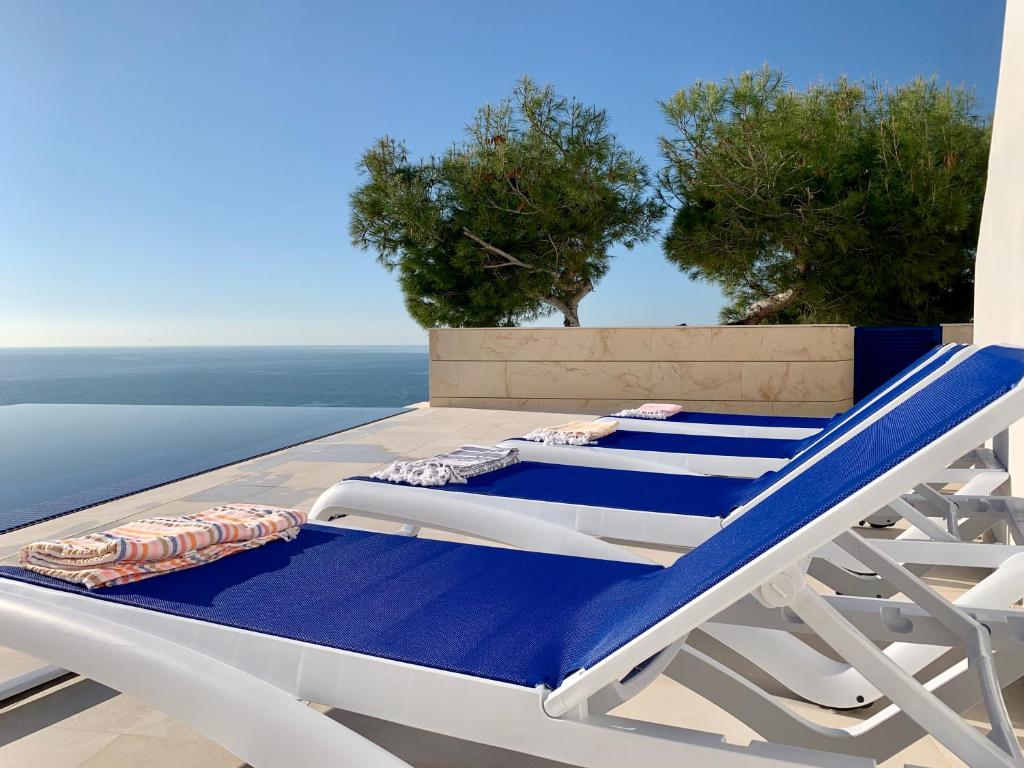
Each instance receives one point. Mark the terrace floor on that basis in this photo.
(79, 723)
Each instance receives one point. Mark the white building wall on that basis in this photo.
(999, 286)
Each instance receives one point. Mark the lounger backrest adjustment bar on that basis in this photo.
(971, 633)
(919, 520)
(954, 509)
(944, 506)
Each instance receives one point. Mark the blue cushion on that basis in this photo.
(594, 486)
(749, 420)
(500, 614)
(705, 445)
(522, 617)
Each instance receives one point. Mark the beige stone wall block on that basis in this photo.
(444, 379)
(813, 342)
(434, 336)
(826, 381)
(467, 378)
(585, 380)
(781, 342)
(694, 381)
(771, 381)
(548, 344)
(958, 333)
(683, 344)
(481, 378)
(619, 344)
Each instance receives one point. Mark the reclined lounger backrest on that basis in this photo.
(944, 351)
(950, 355)
(892, 389)
(924, 417)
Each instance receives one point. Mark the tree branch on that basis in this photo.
(510, 260)
(763, 308)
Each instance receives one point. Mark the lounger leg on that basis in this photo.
(32, 679)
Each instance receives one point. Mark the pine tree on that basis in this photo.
(847, 202)
(515, 222)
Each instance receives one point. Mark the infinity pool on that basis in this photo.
(57, 458)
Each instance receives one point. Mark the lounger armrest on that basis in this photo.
(453, 512)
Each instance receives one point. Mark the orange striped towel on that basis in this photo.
(159, 545)
(577, 432)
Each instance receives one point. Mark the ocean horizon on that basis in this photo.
(79, 426)
(309, 376)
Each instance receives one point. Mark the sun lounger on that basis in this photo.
(766, 426)
(717, 454)
(530, 650)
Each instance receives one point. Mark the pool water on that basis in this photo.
(56, 458)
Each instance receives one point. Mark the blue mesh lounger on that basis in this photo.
(529, 650)
(711, 454)
(759, 425)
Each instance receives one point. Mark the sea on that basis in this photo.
(81, 426)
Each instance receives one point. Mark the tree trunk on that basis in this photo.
(765, 308)
(570, 307)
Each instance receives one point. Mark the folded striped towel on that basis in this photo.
(573, 432)
(157, 545)
(650, 411)
(454, 467)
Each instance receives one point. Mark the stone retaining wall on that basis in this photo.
(797, 370)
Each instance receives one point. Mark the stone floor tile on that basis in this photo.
(133, 750)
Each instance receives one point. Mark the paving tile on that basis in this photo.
(133, 750)
(371, 454)
(54, 748)
(254, 494)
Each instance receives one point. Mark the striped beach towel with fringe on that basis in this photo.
(158, 545)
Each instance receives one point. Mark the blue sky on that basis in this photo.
(178, 172)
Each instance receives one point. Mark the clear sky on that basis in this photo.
(178, 172)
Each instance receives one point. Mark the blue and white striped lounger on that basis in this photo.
(723, 455)
(528, 651)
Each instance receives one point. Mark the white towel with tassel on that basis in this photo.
(454, 467)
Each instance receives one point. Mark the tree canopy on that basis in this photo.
(513, 223)
(847, 202)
